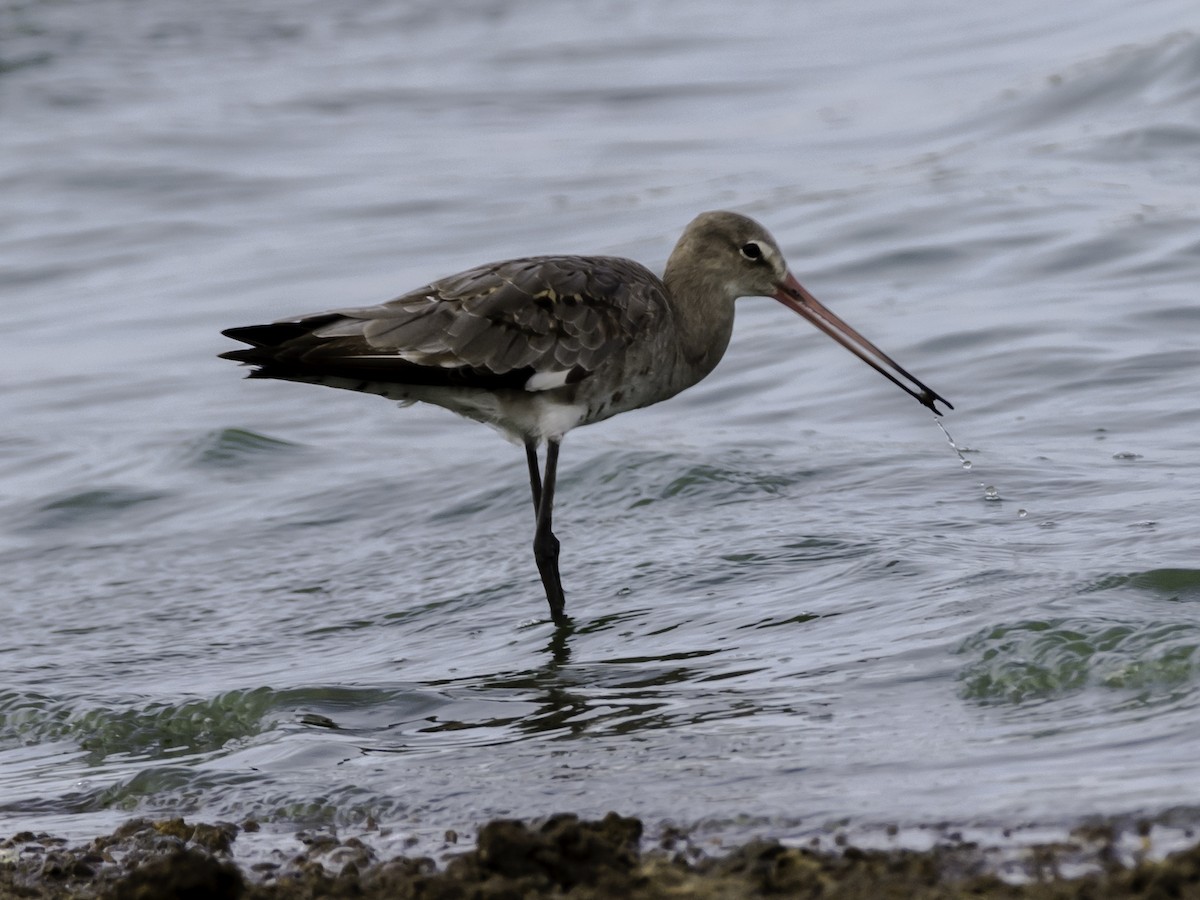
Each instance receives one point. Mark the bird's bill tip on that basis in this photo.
(928, 398)
(793, 295)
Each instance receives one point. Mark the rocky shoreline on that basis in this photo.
(564, 857)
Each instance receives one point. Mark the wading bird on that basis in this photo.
(541, 345)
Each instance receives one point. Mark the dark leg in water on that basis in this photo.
(545, 544)
(535, 476)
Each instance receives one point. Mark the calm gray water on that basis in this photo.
(233, 599)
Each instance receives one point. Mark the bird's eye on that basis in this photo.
(752, 250)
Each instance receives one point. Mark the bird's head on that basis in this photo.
(734, 256)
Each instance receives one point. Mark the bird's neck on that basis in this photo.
(703, 319)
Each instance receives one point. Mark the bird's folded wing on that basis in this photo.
(556, 319)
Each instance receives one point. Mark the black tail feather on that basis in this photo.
(276, 334)
(274, 355)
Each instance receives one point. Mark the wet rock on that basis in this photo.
(562, 853)
(565, 858)
(215, 838)
(183, 875)
(61, 864)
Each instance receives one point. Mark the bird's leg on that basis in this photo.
(545, 544)
(535, 476)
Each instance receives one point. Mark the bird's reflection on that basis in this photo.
(563, 699)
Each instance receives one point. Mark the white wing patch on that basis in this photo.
(547, 381)
(427, 358)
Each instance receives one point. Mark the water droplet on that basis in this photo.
(1022, 513)
(966, 463)
(990, 493)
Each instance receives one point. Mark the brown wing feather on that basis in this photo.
(511, 319)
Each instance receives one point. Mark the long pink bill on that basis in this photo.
(793, 295)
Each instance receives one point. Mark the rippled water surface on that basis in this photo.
(793, 605)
